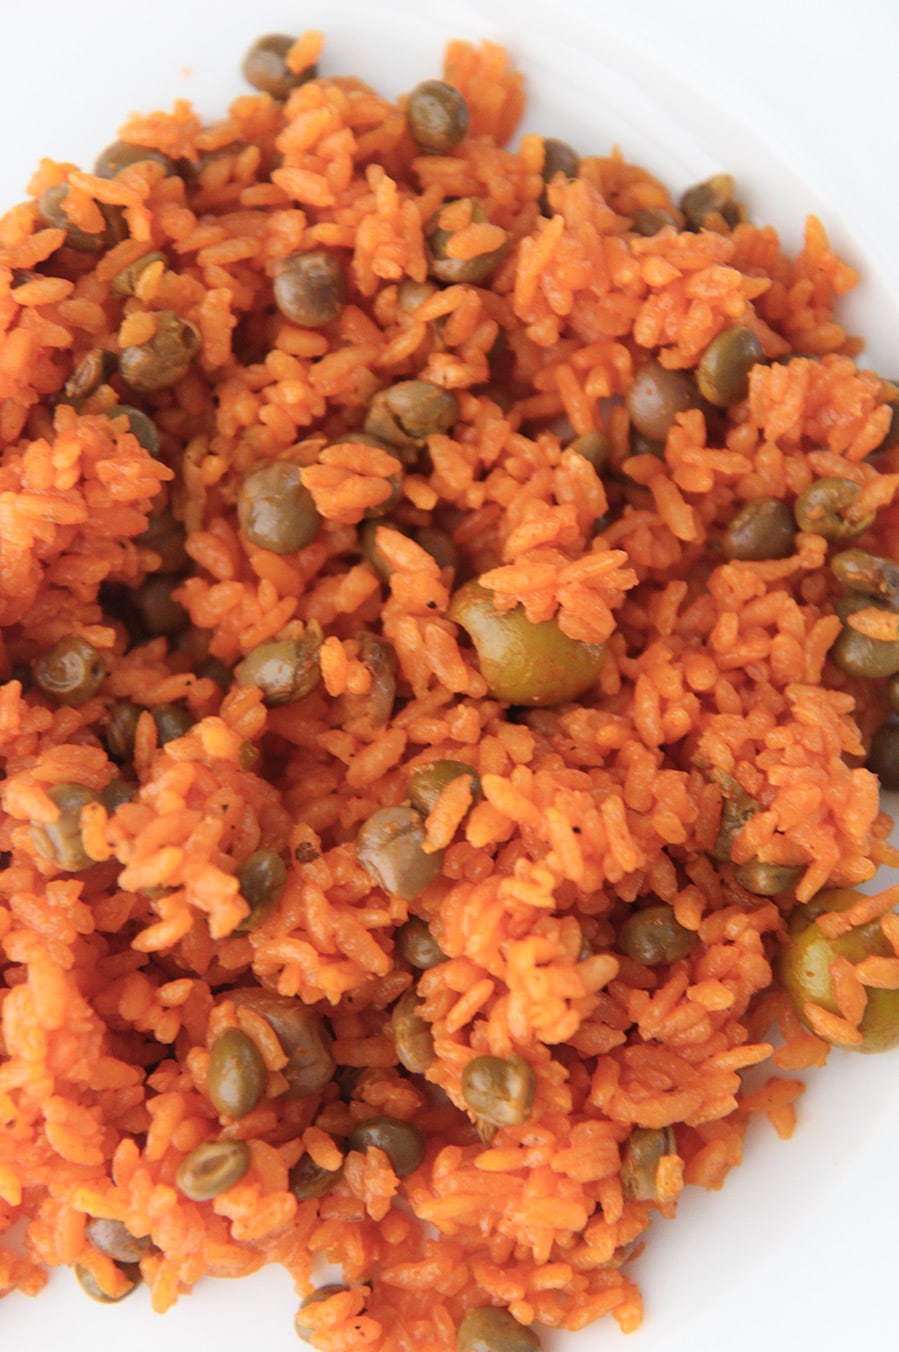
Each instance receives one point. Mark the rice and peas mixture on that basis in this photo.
(448, 622)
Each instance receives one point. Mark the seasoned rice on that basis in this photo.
(717, 681)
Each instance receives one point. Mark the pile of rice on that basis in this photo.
(113, 977)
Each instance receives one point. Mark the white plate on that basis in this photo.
(800, 103)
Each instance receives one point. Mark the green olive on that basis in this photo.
(437, 116)
(819, 508)
(310, 288)
(714, 195)
(212, 1168)
(524, 663)
(867, 573)
(657, 396)
(161, 615)
(91, 1287)
(303, 1330)
(307, 1179)
(460, 270)
(125, 283)
(411, 1034)
(640, 1158)
(51, 206)
(71, 672)
(762, 529)
(166, 537)
(650, 220)
(652, 936)
(165, 358)
(61, 840)
(301, 1032)
(142, 428)
(493, 1329)
(236, 1074)
(262, 876)
(595, 447)
(416, 943)
(275, 509)
(265, 66)
(883, 756)
(390, 847)
(93, 370)
(766, 880)
(723, 371)
(120, 729)
(172, 721)
(285, 670)
(116, 1241)
(804, 967)
(425, 784)
(122, 154)
(402, 1143)
(499, 1090)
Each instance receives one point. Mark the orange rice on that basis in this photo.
(115, 978)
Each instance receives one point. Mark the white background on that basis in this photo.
(800, 102)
